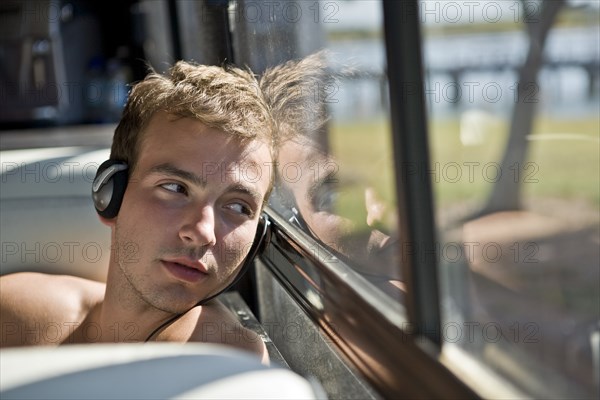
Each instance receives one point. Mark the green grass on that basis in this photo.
(564, 163)
(568, 168)
(563, 160)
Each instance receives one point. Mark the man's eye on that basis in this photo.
(240, 209)
(325, 198)
(174, 187)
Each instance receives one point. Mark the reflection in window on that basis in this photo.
(335, 168)
(328, 180)
(514, 128)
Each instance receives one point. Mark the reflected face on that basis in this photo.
(190, 211)
(324, 196)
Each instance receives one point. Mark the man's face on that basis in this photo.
(345, 214)
(190, 211)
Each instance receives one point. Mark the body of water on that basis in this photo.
(479, 71)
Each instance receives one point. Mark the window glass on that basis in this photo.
(512, 90)
(335, 179)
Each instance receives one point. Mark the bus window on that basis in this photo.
(334, 248)
(512, 94)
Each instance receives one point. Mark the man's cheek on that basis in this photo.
(235, 253)
(127, 251)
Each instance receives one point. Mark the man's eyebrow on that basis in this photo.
(243, 189)
(170, 169)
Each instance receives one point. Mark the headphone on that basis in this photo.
(109, 187)
(108, 190)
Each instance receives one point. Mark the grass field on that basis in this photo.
(563, 159)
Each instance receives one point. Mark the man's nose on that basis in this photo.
(379, 214)
(199, 227)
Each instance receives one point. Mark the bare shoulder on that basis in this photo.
(30, 301)
(214, 323)
(29, 287)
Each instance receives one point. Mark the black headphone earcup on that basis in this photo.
(109, 188)
(260, 243)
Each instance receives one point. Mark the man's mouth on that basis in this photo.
(186, 269)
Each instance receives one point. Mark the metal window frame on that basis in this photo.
(358, 322)
(413, 190)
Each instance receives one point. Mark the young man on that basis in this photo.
(192, 158)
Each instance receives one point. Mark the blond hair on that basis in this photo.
(297, 94)
(225, 98)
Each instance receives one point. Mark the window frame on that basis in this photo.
(411, 149)
(400, 362)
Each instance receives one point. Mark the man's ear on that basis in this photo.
(110, 222)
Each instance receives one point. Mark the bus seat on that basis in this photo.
(47, 219)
